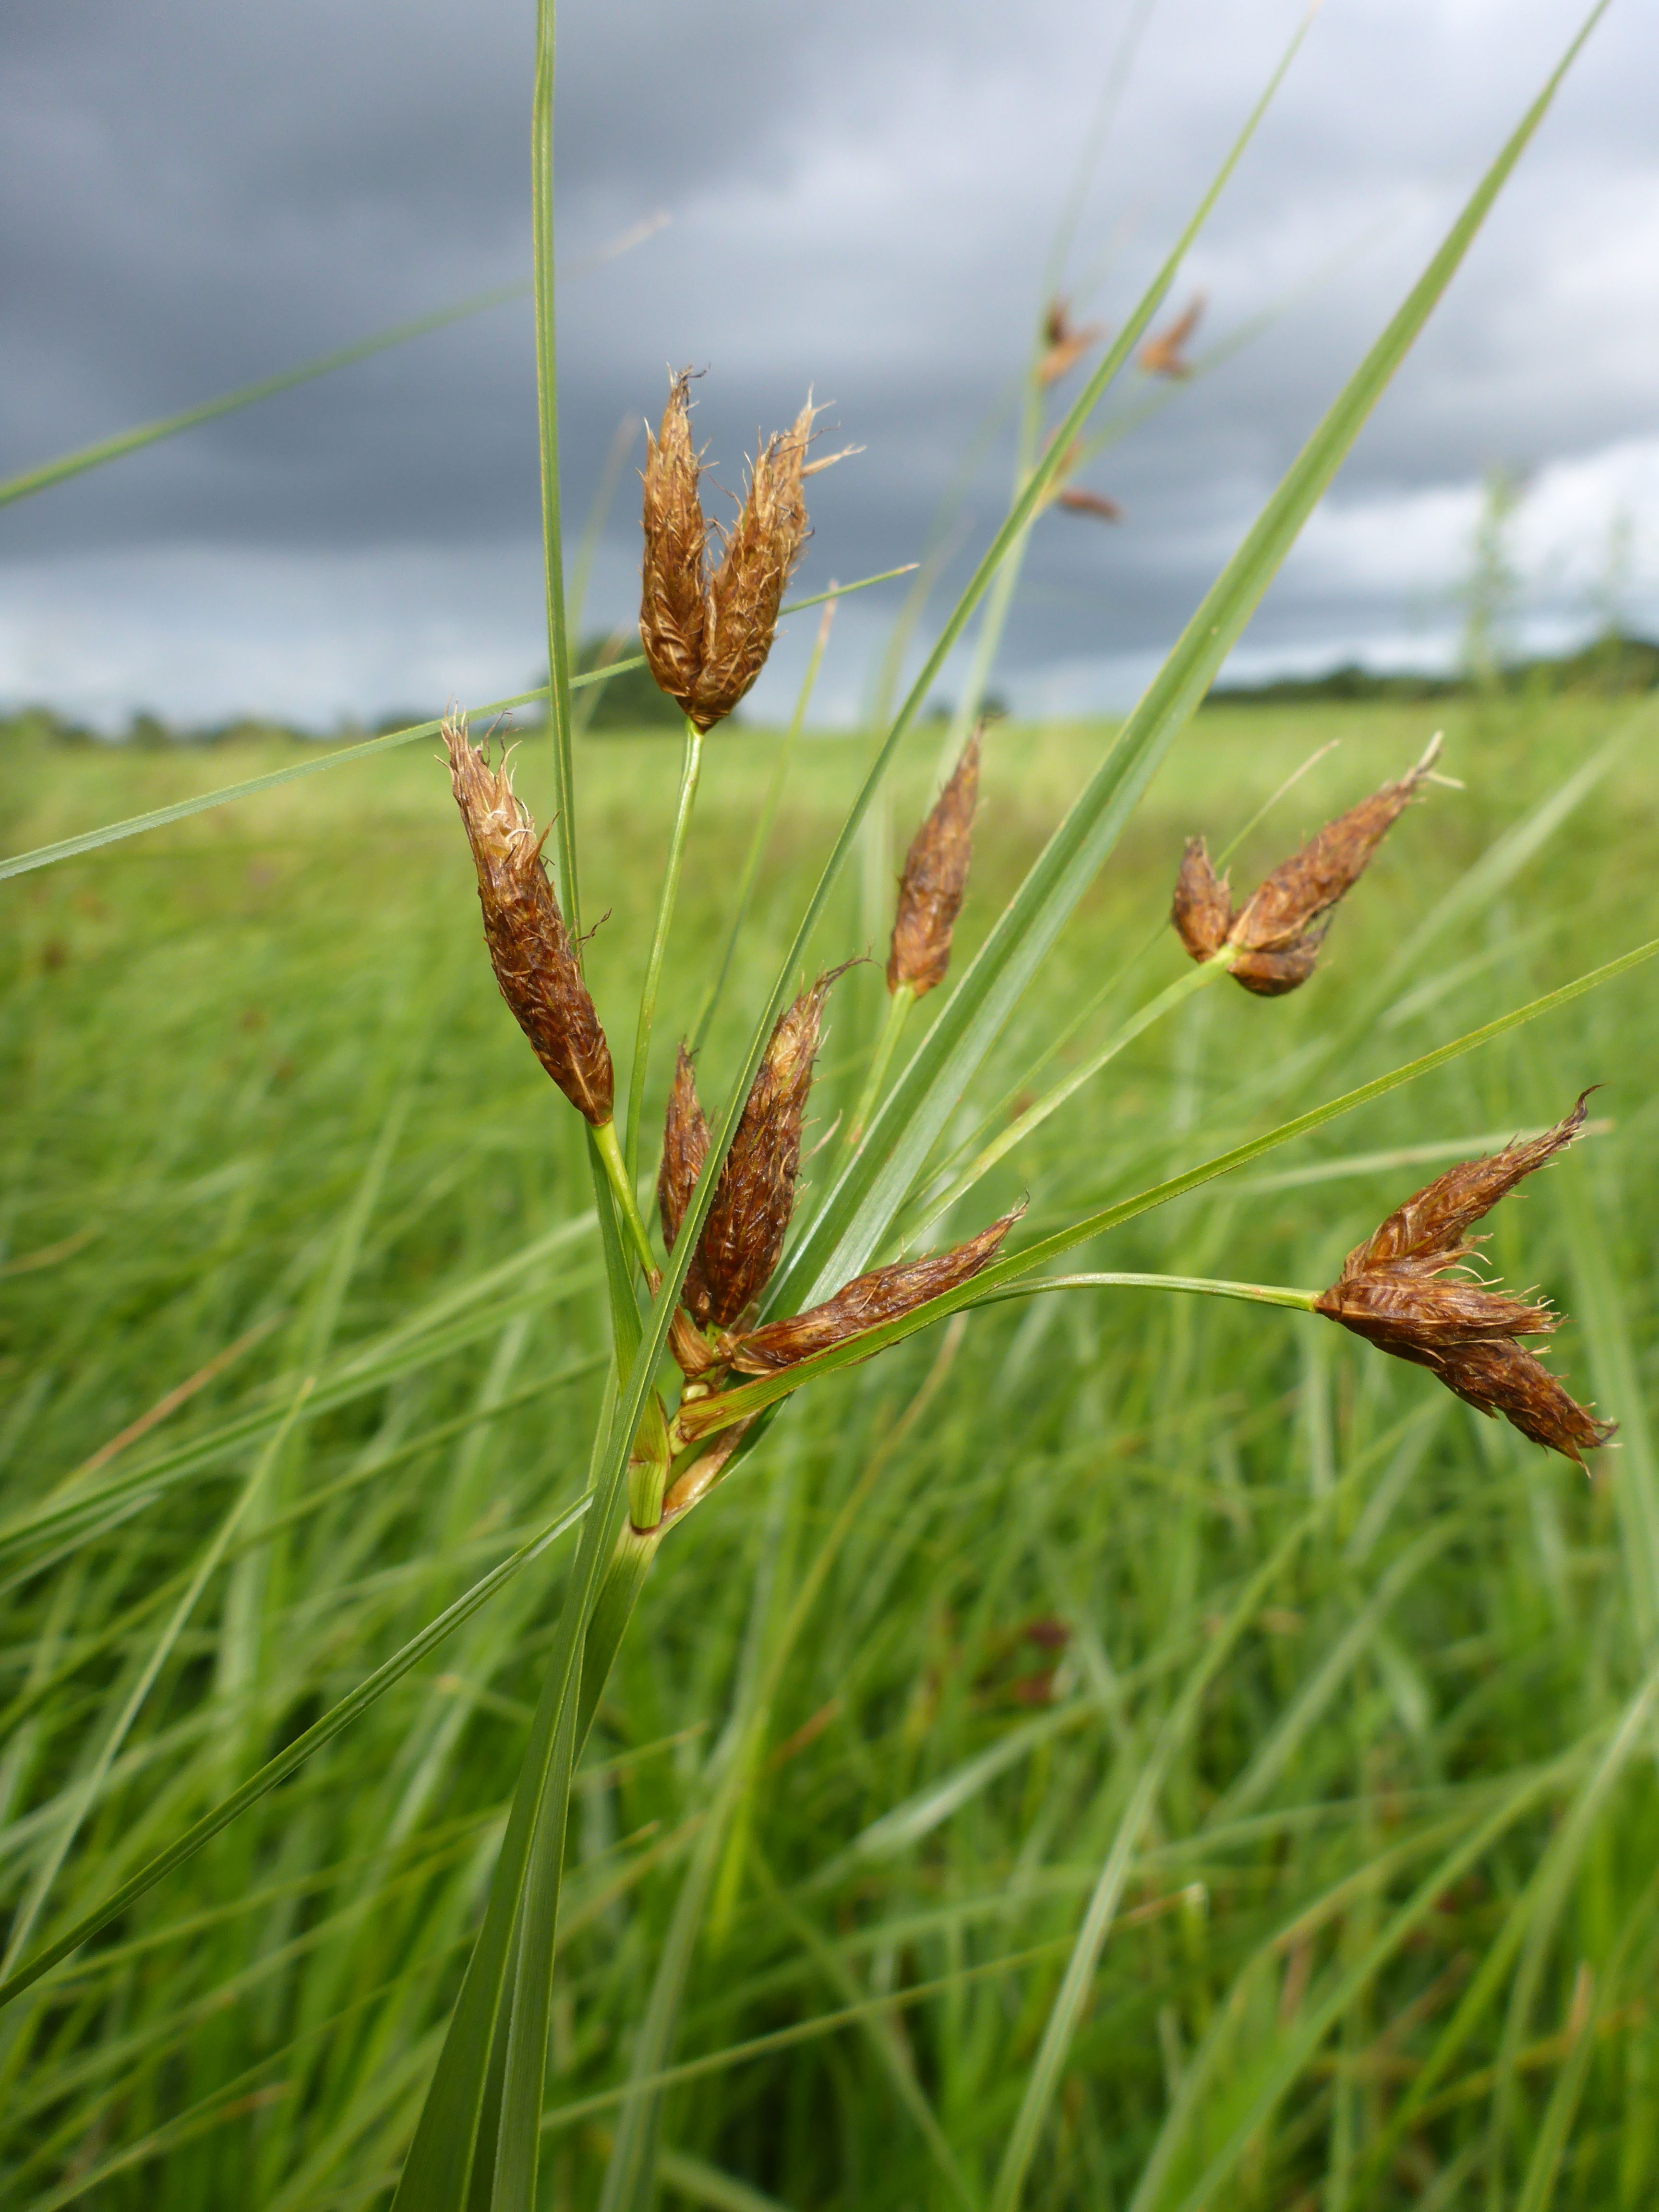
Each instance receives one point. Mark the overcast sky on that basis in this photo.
(861, 199)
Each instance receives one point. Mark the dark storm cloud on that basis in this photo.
(861, 199)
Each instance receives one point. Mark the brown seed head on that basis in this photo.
(883, 1295)
(530, 947)
(1280, 927)
(674, 580)
(1077, 498)
(1391, 1292)
(684, 1149)
(742, 1236)
(1165, 354)
(746, 590)
(706, 635)
(1065, 342)
(935, 877)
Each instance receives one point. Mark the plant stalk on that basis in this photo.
(622, 1188)
(898, 1009)
(764, 827)
(690, 771)
(1035, 1115)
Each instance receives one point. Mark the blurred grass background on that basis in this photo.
(1392, 1940)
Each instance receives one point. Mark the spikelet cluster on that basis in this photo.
(1394, 1291)
(1277, 933)
(708, 627)
(935, 879)
(1166, 353)
(1064, 342)
(529, 948)
(743, 1231)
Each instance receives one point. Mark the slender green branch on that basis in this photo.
(1209, 1286)
(1052, 1100)
(764, 827)
(899, 1003)
(712, 1414)
(690, 771)
(547, 407)
(623, 1189)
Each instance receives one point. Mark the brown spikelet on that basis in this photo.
(742, 1236)
(530, 947)
(1064, 342)
(1278, 932)
(1392, 1292)
(684, 1149)
(674, 579)
(1077, 498)
(1202, 910)
(706, 635)
(746, 590)
(1165, 354)
(883, 1295)
(935, 877)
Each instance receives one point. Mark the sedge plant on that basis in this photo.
(742, 1308)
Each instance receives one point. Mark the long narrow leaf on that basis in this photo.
(877, 1179)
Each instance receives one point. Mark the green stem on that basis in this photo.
(670, 884)
(694, 1424)
(1209, 1286)
(898, 1008)
(1035, 1115)
(764, 827)
(622, 1185)
(547, 408)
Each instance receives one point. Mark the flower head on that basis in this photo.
(743, 1234)
(1064, 342)
(1276, 935)
(884, 1294)
(935, 877)
(706, 635)
(1166, 354)
(530, 947)
(1393, 1291)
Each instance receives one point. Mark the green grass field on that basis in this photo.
(302, 1331)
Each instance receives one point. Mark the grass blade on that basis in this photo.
(289, 1760)
(873, 1185)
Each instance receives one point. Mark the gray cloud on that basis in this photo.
(861, 200)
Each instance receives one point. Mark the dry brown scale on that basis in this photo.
(530, 947)
(935, 879)
(1276, 935)
(1392, 1292)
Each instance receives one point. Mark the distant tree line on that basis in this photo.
(1615, 663)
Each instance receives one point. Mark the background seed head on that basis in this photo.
(935, 879)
